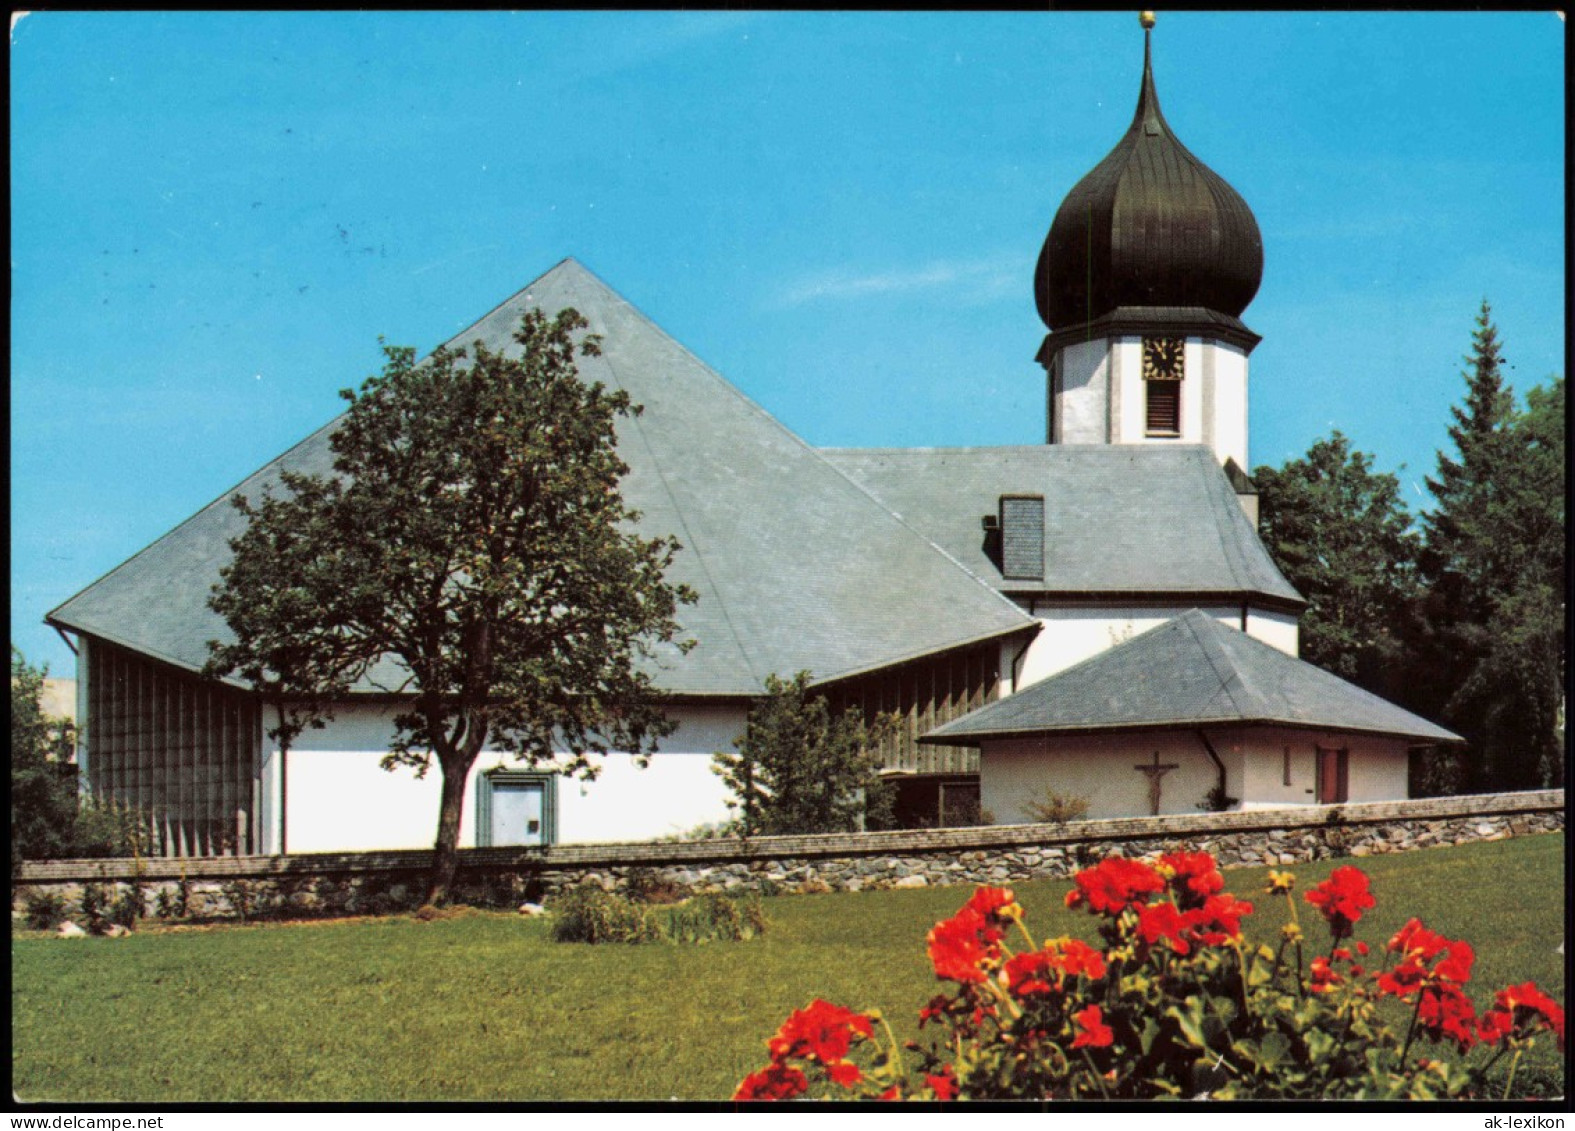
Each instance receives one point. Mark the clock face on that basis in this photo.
(1162, 359)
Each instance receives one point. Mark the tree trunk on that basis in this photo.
(445, 850)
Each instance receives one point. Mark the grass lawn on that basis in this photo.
(486, 1007)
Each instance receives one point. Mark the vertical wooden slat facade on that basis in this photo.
(924, 694)
(182, 751)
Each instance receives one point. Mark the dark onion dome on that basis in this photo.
(1149, 226)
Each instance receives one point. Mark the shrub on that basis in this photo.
(43, 909)
(715, 917)
(1174, 1003)
(590, 915)
(129, 905)
(105, 828)
(95, 905)
(1216, 800)
(1052, 808)
(176, 905)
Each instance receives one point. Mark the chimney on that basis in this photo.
(1246, 490)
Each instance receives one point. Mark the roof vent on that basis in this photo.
(1246, 490)
(1023, 537)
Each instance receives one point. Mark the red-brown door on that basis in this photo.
(1333, 776)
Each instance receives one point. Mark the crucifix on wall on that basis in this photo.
(1154, 772)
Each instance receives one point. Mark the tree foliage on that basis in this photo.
(472, 552)
(799, 769)
(43, 790)
(1340, 533)
(1493, 560)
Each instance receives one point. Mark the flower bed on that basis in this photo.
(1174, 1003)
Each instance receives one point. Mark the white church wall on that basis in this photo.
(1226, 369)
(1104, 397)
(1075, 633)
(1082, 410)
(1258, 761)
(674, 793)
(1100, 769)
(1281, 630)
(1377, 768)
(339, 798)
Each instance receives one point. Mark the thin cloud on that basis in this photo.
(671, 34)
(983, 278)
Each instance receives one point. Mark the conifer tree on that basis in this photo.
(799, 769)
(1492, 624)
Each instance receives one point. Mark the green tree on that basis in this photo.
(799, 769)
(1340, 533)
(1493, 560)
(43, 786)
(472, 553)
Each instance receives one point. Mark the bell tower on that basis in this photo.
(1149, 263)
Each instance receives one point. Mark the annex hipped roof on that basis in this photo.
(1190, 671)
(796, 567)
(1119, 519)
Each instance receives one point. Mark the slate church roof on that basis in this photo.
(836, 562)
(1188, 672)
(1119, 520)
(796, 566)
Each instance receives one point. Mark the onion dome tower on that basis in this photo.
(1147, 268)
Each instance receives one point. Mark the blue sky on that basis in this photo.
(215, 217)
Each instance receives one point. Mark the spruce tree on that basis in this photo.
(1491, 632)
(800, 769)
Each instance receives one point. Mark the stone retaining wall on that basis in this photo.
(378, 882)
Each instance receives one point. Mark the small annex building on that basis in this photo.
(1188, 716)
(927, 583)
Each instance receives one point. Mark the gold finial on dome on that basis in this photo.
(1146, 19)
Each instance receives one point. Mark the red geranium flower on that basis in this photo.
(1530, 1009)
(1032, 974)
(1342, 898)
(1077, 957)
(1446, 1013)
(998, 904)
(1219, 919)
(774, 1082)
(821, 1031)
(1041, 972)
(1193, 877)
(844, 1072)
(1417, 947)
(1495, 1025)
(1324, 978)
(1163, 921)
(961, 946)
(1112, 884)
(944, 1085)
(1092, 1031)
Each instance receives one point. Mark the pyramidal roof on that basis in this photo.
(797, 567)
(1190, 671)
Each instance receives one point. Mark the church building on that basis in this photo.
(1091, 616)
